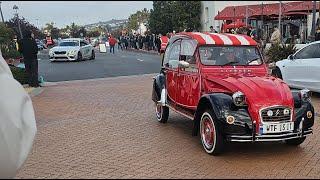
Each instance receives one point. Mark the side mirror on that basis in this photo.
(290, 57)
(183, 64)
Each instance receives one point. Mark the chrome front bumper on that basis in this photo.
(269, 137)
(63, 58)
(298, 133)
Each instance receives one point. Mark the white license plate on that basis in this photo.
(278, 127)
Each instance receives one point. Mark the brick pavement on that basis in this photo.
(106, 128)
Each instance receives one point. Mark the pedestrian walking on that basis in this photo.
(212, 30)
(317, 38)
(275, 37)
(119, 43)
(29, 49)
(112, 43)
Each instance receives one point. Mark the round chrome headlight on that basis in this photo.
(239, 98)
(305, 95)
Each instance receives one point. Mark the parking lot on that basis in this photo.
(106, 128)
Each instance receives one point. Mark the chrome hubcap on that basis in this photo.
(207, 132)
(158, 111)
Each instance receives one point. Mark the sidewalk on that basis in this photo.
(32, 91)
(143, 51)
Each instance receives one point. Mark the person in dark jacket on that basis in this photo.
(29, 49)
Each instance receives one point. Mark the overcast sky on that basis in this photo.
(65, 12)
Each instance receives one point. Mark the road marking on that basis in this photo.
(140, 60)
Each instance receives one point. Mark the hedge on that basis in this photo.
(19, 74)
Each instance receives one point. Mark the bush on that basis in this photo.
(19, 74)
(10, 53)
(279, 52)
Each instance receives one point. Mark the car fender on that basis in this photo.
(281, 64)
(158, 85)
(217, 102)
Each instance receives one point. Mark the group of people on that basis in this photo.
(140, 42)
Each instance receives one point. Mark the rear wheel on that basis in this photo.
(296, 141)
(162, 113)
(211, 137)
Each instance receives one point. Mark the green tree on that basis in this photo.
(25, 25)
(74, 30)
(93, 33)
(7, 44)
(137, 18)
(167, 16)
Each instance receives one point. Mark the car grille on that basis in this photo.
(278, 114)
(60, 52)
(61, 58)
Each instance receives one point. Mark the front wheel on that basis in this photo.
(211, 137)
(277, 73)
(93, 56)
(162, 113)
(79, 56)
(296, 141)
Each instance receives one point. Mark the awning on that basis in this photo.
(304, 6)
(239, 12)
(237, 24)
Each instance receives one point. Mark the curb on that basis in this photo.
(143, 51)
(46, 84)
(36, 91)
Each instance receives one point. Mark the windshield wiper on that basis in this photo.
(252, 61)
(229, 63)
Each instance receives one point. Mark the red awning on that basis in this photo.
(304, 6)
(237, 24)
(239, 12)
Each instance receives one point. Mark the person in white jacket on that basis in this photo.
(17, 123)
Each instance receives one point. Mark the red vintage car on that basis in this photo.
(221, 83)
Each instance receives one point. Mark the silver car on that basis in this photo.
(72, 49)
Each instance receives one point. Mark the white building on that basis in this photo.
(209, 9)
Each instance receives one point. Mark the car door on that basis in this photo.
(84, 48)
(188, 79)
(301, 71)
(170, 63)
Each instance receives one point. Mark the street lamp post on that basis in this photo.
(1, 13)
(280, 11)
(15, 8)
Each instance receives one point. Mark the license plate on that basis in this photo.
(278, 127)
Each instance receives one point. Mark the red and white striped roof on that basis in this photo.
(221, 38)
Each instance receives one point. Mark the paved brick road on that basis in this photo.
(107, 129)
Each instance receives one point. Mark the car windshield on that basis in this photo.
(230, 55)
(69, 43)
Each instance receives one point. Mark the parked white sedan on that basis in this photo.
(301, 70)
(72, 49)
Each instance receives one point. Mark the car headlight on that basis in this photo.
(239, 98)
(72, 52)
(305, 95)
(51, 53)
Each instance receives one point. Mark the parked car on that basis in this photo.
(72, 49)
(221, 83)
(40, 45)
(301, 69)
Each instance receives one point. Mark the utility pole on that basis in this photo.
(234, 18)
(313, 28)
(1, 13)
(15, 7)
(261, 21)
(247, 16)
(280, 11)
